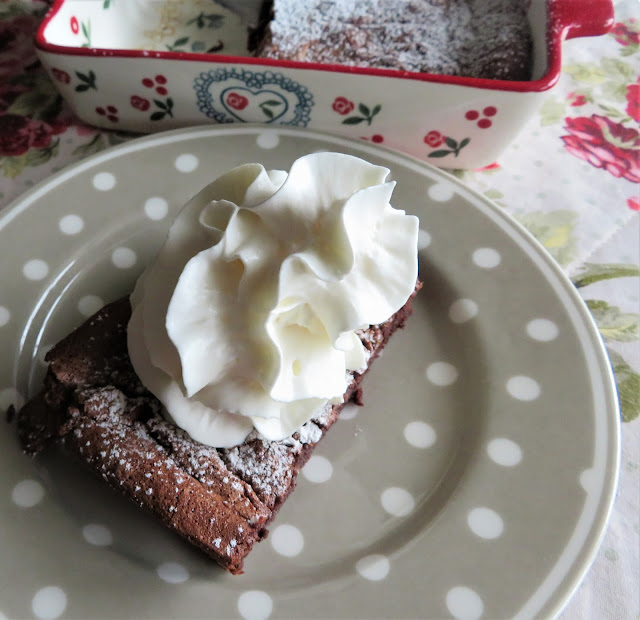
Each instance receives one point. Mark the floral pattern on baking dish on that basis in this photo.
(230, 95)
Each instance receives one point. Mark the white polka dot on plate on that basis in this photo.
(89, 304)
(397, 501)
(255, 605)
(463, 310)
(10, 396)
(156, 208)
(49, 603)
(543, 330)
(419, 434)
(123, 258)
(588, 480)
(5, 315)
(71, 224)
(442, 373)
(523, 388)
(97, 534)
(318, 469)
(35, 269)
(424, 239)
(104, 181)
(186, 162)
(268, 140)
(287, 540)
(485, 523)
(487, 258)
(172, 572)
(27, 493)
(349, 412)
(441, 192)
(504, 452)
(464, 604)
(374, 567)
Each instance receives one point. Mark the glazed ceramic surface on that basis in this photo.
(151, 65)
(474, 483)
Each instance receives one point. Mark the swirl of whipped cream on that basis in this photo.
(247, 317)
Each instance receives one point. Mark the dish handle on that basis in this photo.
(577, 18)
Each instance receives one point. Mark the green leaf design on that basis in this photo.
(81, 88)
(95, 145)
(587, 74)
(592, 272)
(267, 112)
(628, 382)
(613, 66)
(441, 153)
(464, 143)
(364, 110)
(353, 120)
(37, 157)
(375, 110)
(614, 324)
(271, 102)
(552, 111)
(11, 167)
(451, 143)
(494, 194)
(160, 104)
(156, 116)
(555, 230)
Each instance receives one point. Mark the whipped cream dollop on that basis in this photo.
(248, 316)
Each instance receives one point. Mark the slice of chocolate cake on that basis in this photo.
(220, 499)
(470, 38)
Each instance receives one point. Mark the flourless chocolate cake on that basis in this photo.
(95, 408)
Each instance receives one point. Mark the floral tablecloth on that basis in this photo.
(572, 178)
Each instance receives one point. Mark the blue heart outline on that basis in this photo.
(252, 80)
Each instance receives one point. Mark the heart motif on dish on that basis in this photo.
(251, 106)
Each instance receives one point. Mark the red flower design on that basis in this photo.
(576, 100)
(16, 45)
(342, 106)
(434, 138)
(18, 134)
(75, 28)
(624, 35)
(633, 101)
(236, 101)
(140, 103)
(605, 144)
(633, 203)
(61, 76)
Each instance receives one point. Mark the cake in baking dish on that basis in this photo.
(470, 38)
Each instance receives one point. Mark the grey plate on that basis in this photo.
(476, 481)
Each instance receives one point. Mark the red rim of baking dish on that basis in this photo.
(566, 19)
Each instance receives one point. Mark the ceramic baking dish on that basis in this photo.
(151, 65)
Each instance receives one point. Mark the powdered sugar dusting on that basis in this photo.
(484, 38)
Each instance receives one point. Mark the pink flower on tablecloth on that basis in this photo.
(633, 101)
(633, 203)
(605, 144)
(576, 100)
(16, 45)
(624, 35)
(18, 134)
